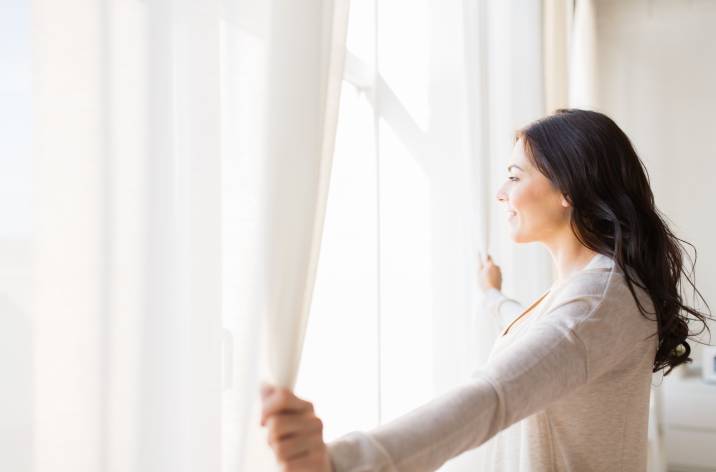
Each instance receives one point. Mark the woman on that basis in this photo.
(568, 380)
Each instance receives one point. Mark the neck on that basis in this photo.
(568, 255)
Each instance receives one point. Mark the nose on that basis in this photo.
(501, 195)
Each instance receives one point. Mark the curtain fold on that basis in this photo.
(303, 56)
(583, 56)
(556, 21)
(305, 69)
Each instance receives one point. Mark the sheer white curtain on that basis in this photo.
(286, 165)
(127, 317)
(583, 56)
(181, 162)
(557, 26)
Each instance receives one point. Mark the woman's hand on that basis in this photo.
(294, 432)
(489, 275)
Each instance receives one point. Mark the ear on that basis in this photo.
(565, 203)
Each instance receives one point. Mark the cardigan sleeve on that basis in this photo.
(545, 364)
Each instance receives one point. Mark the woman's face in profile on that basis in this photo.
(535, 209)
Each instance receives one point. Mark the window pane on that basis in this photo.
(360, 39)
(406, 291)
(339, 372)
(403, 57)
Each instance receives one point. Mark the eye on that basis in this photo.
(514, 179)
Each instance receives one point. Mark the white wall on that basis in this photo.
(657, 79)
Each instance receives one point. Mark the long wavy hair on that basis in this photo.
(594, 165)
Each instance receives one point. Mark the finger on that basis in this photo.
(297, 446)
(282, 426)
(284, 401)
(266, 390)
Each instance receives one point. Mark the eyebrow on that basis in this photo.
(514, 165)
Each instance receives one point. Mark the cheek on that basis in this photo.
(524, 197)
(533, 201)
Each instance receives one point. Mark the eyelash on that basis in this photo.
(514, 179)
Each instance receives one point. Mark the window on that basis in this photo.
(368, 350)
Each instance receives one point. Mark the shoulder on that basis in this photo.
(587, 283)
(581, 294)
(600, 296)
(591, 281)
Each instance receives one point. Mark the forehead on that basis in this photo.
(518, 156)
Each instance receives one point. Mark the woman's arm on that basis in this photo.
(546, 364)
(577, 339)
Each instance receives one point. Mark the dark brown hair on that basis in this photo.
(594, 165)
